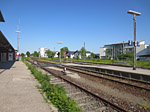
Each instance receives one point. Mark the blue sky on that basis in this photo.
(43, 23)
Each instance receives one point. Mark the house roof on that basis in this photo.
(88, 52)
(71, 52)
(4, 43)
(1, 17)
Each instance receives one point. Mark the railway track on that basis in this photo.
(88, 100)
(129, 82)
(125, 105)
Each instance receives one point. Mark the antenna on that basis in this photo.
(18, 36)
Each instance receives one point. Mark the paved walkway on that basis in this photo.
(125, 69)
(18, 92)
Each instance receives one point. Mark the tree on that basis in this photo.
(92, 55)
(28, 54)
(83, 52)
(50, 54)
(22, 54)
(64, 50)
(35, 54)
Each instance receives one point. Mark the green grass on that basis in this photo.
(143, 91)
(145, 106)
(25, 58)
(105, 61)
(143, 63)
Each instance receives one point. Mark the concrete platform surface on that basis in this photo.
(118, 68)
(18, 92)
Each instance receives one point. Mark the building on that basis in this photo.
(78, 54)
(70, 54)
(56, 54)
(42, 52)
(7, 52)
(1, 17)
(115, 49)
(102, 52)
(145, 54)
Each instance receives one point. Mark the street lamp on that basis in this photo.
(84, 51)
(134, 14)
(60, 51)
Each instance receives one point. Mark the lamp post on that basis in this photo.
(134, 14)
(18, 38)
(84, 51)
(60, 51)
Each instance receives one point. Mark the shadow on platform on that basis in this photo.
(6, 65)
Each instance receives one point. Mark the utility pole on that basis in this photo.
(84, 51)
(60, 51)
(18, 37)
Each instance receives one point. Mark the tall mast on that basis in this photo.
(18, 36)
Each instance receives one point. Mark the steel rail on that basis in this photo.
(98, 76)
(107, 102)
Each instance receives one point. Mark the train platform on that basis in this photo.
(18, 92)
(142, 74)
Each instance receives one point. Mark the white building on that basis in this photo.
(70, 54)
(102, 52)
(56, 54)
(145, 54)
(115, 49)
(78, 54)
(42, 52)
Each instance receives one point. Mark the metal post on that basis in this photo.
(18, 37)
(60, 51)
(18, 41)
(84, 51)
(134, 61)
(60, 55)
(134, 43)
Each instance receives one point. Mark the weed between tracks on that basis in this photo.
(55, 93)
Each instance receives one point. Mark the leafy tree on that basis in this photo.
(22, 54)
(83, 52)
(28, 54)
(35, 54)
(63, 50)
(50, 54)
(92, 55)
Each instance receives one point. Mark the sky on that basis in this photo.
(43, 23)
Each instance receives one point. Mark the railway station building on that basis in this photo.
(7, 52)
